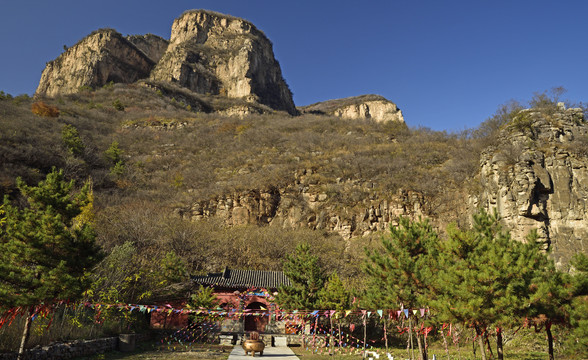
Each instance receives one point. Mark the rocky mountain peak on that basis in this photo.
(101, 57)
(199, 25)
(216, 54)
(208, 53)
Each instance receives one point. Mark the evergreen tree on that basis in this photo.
(402, 274)
(204, 298)
(550, 292)
(487, 278)
(399, 276)
(71, 140)
(579, 312)
(45, 251)
(334, 296)
(305, 274)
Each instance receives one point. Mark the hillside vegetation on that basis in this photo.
(149, 154)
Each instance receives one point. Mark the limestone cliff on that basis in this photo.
(99, 58)
(537, 178)
(310, 205)
(211, 53)
(208, 53)
(151, 45)
(373, 107)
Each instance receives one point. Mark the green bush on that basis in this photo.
(118, 105)
(71, 140)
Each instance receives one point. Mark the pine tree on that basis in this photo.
(71, 140)
(204, 298)
(487, 278)
(45, 251)
(579, 312)
(401, 275)
(305, 274)
(334, 296)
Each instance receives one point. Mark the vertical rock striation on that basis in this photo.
(151, 45)
(217, 54)
(101, 57)
(537, 178)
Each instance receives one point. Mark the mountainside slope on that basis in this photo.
(345, 179)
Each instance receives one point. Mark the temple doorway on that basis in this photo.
(256, 323)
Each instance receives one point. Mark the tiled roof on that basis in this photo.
(244, 279)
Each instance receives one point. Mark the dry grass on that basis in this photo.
(151, 351)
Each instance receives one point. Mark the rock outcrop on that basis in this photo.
(211, 53)
(373, 107)
(537, 178)
(99, 58)
(208, 53)
(151, 45)
(307, 205)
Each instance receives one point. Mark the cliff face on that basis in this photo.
(373, 107)
(537, 178)
(208, 53)
(216, 54)
(99, 58)
(309, 205)
(151, 45)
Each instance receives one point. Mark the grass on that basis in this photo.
(148, 351)
(437, 350)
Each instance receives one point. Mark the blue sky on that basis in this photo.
(447, 64)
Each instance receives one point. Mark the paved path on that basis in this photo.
(273, 353)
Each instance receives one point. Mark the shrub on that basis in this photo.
(5, 96)
(118, 105)
(42, 109)
(71, 140)
(113, 153)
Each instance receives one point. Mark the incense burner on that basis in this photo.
(253, 344)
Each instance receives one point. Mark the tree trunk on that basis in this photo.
(487, 340)
(410, 336)
(331, 334)
(549, 340)
(499, 349)
(385, 335)
(25, 334)
(445, 344)
(480, 336)
(304, 333)
(364, 334)
(314, 333)
(339, 326)
(419, 343)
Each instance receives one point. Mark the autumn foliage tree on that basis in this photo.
(42, 109)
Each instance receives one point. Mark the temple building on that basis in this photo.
(249, 294)
(248, 291)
